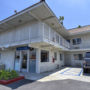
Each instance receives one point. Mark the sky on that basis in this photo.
(75, 12)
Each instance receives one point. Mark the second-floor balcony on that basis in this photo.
(53, 37)
(33, 34)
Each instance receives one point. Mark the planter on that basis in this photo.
(4, 82)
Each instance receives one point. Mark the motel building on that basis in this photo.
(34, 41)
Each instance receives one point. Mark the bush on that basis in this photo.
(7, 74)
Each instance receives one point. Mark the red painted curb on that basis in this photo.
(4, 82)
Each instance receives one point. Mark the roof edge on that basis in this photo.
(78, 28)
(12, 16)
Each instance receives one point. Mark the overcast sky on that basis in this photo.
(75, 12)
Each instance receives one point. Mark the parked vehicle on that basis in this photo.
(86, 65)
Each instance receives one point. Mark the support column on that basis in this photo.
(20, 61)
(28, 53)
(38, 59)
(72, 59)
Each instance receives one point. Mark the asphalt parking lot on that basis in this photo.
(65, 79)
(67, 84)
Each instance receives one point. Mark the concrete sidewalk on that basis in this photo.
(59, 74)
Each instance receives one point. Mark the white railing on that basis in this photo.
(52, 36)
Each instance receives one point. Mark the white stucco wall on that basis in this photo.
(7, 58)
(70, 61)
(48, 66)
(85, 43)
(23, 34)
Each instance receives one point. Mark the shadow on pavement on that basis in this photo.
(19, 83)
(66, 84)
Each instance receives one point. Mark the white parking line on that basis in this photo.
(72, 72)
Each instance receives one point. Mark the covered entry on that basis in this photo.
(25, 59)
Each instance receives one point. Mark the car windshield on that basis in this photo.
(88, 55)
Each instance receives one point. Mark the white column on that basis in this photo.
(38, 57)
(49, 33)
(43, 32)
(28, 53)
(72, 59)
(20, 61)
(14, 61)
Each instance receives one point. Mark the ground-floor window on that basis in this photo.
(55, 55)
(78, 56)
(61, 57)
(44, 56)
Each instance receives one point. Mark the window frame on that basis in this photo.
(76, 41)
(57, 38)
(78, 56)
(47, 56)
(68, 40)
(61, 56)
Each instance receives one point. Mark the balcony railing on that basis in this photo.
(52, 36)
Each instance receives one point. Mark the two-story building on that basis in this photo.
(33, 40)
(79, 39)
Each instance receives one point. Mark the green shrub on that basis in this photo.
(14, 74)
(7, 74)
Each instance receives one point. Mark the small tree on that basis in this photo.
(79, 26)
(61, 19)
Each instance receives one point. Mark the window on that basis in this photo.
(61, 57)
(68, 40)
(76, 41)
(55, 55)
(78, 56)
(61, 41)
(88, 54)
(57, 38)
(44, 56)
(52, 35)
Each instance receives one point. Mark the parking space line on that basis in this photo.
(69, 72)
(65, 71)
(80, 72)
